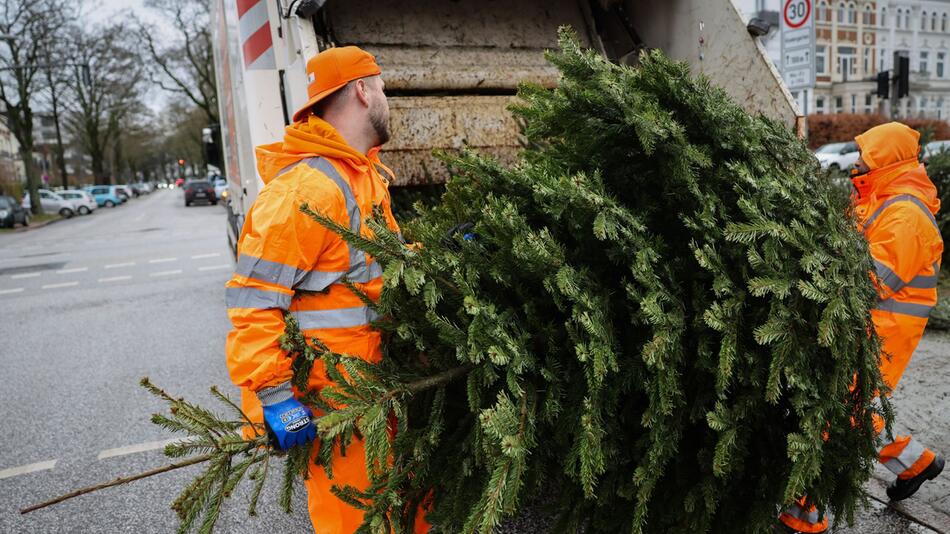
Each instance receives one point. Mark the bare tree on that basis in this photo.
(26, 25)
(108, 96)
(185, 64)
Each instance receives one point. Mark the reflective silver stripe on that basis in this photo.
(268, 271)
(905, 308)
(319, 280)
(926, 281)
(799, 513)
(259, 299)
(911, 453)
(900, 198)
(357, 256)
(337, 318)
(889, 277)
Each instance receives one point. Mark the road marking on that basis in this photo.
(115, 278)
(76, 270)
(213, 267)
(132, 449)
(57, 286)
(25, 275)
(8, 291)
(202, 256)
(117, 265)
(166, 273)
(28, 468)
(140, 217)
(162, 260)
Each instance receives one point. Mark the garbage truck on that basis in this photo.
(452, 67)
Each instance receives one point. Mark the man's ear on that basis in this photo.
(362, 92)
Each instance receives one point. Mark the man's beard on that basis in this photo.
(380, 126)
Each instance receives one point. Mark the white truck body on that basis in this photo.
(451, 68)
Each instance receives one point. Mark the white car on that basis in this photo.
(841, 156)
(935, 147)
(53, 203)
(85, 203)
(220, 184)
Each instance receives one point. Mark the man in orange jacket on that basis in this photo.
(895, 204)
(289, 263)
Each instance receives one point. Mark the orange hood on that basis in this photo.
(309, 138)
(890, 151)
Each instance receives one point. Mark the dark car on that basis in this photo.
(199, 190)
(11, 213)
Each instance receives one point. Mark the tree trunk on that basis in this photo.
(32, 180)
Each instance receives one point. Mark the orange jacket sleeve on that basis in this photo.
(279, 246)
(902, 245)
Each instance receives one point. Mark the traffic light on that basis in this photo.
(883, 84)
(181, 162)
(902, 74)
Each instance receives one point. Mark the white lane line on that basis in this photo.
(213, 267)
(115, 278)
(57, 286)
(25, 275)
(28, 468)
(132, 449)
(75, 270)
(166, 273)
(162, 260)
(8, 291)
(117, 265)
(202, 256)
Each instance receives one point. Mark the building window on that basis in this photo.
(868, 17)
(852, 14)
(941, 57)
(924, 60)
(820, 105)
(841, 13)
(923, 20)
(854, 103)
(839, 104)
(943, 23)
(867, 61)
(883, 17)
(880, 60)
(822, 13)
(846, 62)
(868, 100)
(820, 57)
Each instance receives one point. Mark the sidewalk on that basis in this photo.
(922, 405)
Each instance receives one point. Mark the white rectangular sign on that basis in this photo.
(798, 43)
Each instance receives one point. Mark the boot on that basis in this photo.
(901, 489)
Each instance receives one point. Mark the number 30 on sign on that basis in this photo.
(797, 12)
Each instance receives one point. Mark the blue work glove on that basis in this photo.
(288, 421)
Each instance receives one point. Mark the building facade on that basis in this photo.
(856, 39)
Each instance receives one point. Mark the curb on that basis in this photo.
(36, 226)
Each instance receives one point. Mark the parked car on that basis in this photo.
(143, 188)
(934, 147)
(129, 192)
(220, 184)
(121, 192)
(105, 196)
(85, 203)
(53, 203)
(199, 190)
(841, 156)
(11, 213)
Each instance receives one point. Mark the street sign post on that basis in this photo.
(798, 44)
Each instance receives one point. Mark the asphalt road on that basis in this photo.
(88, 306)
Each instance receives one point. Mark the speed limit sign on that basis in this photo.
(797, 13)
(798, 44)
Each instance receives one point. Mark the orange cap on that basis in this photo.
(333, 68)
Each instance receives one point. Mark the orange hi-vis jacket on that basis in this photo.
(289, 262)
(896, 204)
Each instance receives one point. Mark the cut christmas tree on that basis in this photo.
(656, 322)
